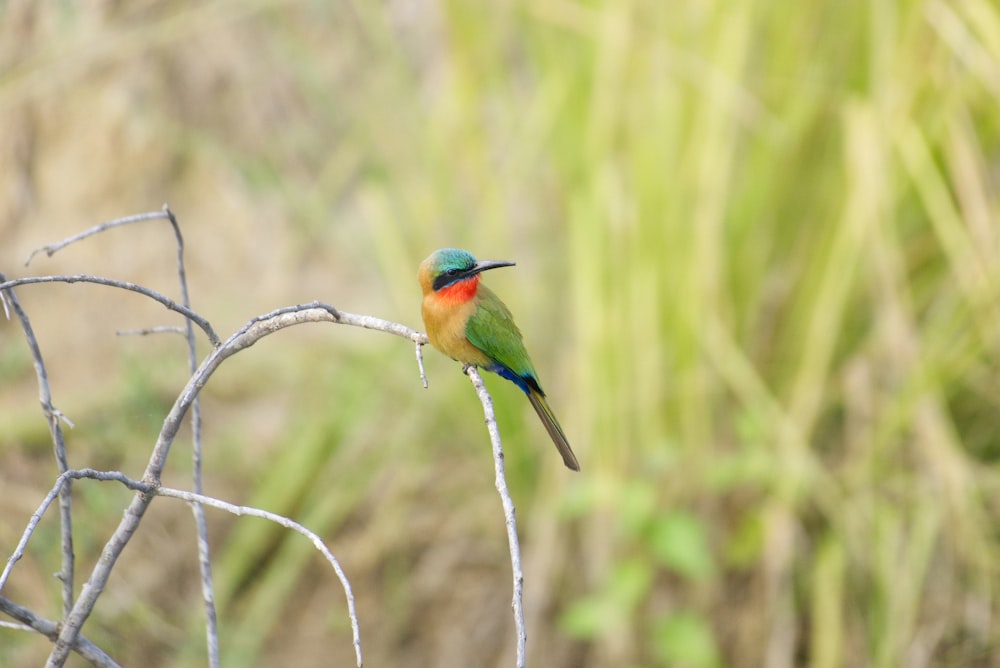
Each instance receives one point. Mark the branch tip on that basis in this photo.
(420, 363)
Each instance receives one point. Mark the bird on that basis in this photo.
(467, 321)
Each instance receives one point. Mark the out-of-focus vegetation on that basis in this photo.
(758, 268)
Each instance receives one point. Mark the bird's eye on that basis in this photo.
(452, 272)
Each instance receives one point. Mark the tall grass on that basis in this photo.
(777, 228)
(758, 269)
(782, 250)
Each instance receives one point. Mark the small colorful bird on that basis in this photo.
(467, 321)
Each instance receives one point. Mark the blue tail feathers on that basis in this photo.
(526, 383)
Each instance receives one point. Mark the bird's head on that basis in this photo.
(451, 270)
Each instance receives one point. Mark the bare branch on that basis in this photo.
(147, 331)
(508, 512)
(204, 556)
(124, 285)
(247, 336)
(205, 565)
(204, 561)
(52, 249)
(67, 634)
(53, 416)
(62, 482)
(288, 524)
(50, 630)
(30, 529)
(152, 489)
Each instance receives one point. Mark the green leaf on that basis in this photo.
(678, 540)
(613, 607)
(630, 582)
(586, 617)
(686, 640)
(636, 506)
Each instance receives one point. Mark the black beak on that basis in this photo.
(452, 276)
(485, 265)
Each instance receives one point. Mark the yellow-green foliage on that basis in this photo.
(758, 255)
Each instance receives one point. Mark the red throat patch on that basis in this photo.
(459, 293)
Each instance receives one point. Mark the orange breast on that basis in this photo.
(445, 314)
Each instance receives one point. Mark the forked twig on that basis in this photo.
(247, 336)
(204, 560)
(52, 249)
(50, 630)
(151, 490)
(66, 634)
(213, 338)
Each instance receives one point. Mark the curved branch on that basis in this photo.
(124, 285)
(317, 542)
(248, 335)
(52, 249)
(52, 415)
(151, 489)
(66, 575)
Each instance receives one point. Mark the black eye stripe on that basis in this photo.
(449, 276)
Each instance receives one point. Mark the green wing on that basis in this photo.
(491, 329)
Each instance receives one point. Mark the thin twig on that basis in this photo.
(247, 336)
(124, 285)
(53, 417)
(152, 489)
(30, 529)
(204, 553)
(50, 630)
(61, 482)
(508, 512)
(420, 364)
(75, 614)
(52, 249)
(147, 331)
(288, 524)
(211, 626)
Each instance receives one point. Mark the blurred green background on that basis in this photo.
(758, 270)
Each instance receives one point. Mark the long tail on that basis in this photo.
(552, 426)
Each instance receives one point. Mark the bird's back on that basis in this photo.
(492, 330)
